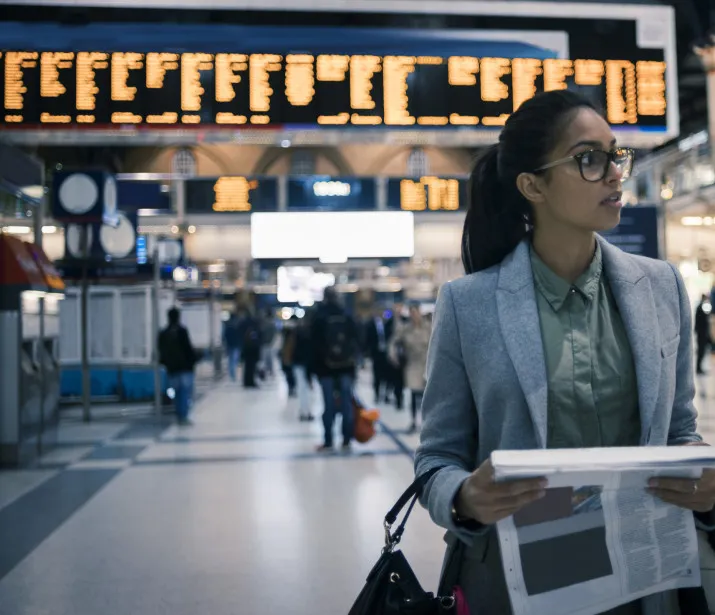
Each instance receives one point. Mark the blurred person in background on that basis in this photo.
(377, 339)
(409, 348)
(287, 354)
(233, 334)
(554, 339)
(397, 364)
(177, 355)
(703, 336)
(301, 363)
(334, 342)
(251, 353)
(268, 338)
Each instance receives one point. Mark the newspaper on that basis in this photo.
(597, 539)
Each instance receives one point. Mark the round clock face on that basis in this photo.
(78, 194)
(74, 240)
(118, 241)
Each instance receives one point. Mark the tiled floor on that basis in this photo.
(236, 515)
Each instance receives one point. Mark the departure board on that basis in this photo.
(231, 194)
(87, 88)
(428, 193)
(315, 77)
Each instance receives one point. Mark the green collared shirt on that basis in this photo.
(592, 390)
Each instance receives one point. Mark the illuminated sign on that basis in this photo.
(331, 188)
(231, 194)
(323, 193)
(427, 193)
(89, 88)
(343, 235)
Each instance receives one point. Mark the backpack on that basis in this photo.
(340, 347)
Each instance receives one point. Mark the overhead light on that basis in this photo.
(175, 229)
(217, 268)
(285, 143)
(348, 288)
(333, 260)
(34, 192)
(49, 230)
(17, 230)
(181, 274)
(699, 138)
(666, 193)
(697, 221)
(192, 229)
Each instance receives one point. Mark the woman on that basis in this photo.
(556, 339)
(409, 346)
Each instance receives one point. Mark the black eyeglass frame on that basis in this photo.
(610, 159)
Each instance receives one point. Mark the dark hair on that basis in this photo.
(499, 216)
(173, 314)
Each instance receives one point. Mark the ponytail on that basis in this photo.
(499, 216)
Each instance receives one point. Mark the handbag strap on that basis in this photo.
(412, 492)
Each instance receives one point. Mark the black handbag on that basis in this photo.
(392, 587)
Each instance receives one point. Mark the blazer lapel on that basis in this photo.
(520, 328)
(634, 297)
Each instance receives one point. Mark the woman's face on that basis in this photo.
(561, 197)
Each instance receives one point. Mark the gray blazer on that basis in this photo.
(487, 386)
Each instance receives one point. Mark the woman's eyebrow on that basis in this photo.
(590, 143)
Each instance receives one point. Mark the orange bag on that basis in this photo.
(364, 421)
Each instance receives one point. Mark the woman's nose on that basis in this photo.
(615, 173)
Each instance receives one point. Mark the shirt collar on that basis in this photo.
(556, 290)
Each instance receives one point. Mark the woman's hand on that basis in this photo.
(697, 495)
(487, 502)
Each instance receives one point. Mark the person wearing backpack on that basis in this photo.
(178, 356)
(335, 346)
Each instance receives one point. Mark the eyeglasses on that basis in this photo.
(594, 163)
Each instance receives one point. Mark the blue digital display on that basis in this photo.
(133, 195)
(323, 193)
(638, 231)
(142, 254)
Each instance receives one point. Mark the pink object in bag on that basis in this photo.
(460, 601)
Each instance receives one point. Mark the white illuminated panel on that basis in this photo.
(333, 236)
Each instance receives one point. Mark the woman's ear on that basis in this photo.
(531, 187)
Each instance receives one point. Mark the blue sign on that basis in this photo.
(325, 193)
(638, 231)
(133, 195)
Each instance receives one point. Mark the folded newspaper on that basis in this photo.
(598, 539)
